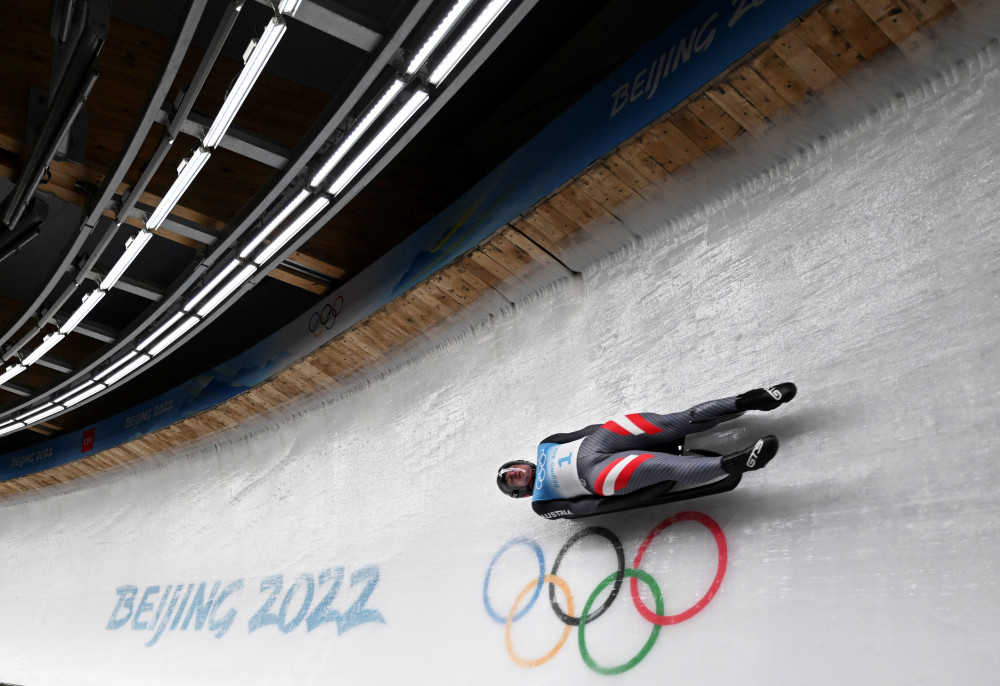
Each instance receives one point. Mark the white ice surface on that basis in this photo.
(864, 267)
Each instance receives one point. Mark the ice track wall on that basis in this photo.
(363, 541)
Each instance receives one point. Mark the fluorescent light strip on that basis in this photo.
(174, 335)
(116, 365)
(233, 284)
(468, 39)
(293, 229)
(388, 131)
(77, 399)
(89, 302)
(289, 6)
(186, 172)
(43, 414)
(233, 264)
(357, 131)
(12, 428)
(11, 372)
(132, 249)
(252, 69)
(46, 345)
(160, 331)
(271, 225)
(72, 397)
(439, 33)
(73, 392)
(24, 416)
(127, 369)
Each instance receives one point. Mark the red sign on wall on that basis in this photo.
(88, 441)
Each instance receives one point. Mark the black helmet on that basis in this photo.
(516, 491)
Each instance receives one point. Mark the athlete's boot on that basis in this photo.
(765, 398)
(755, 457)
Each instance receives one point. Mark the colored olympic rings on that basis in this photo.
(615, 579)
(538, 585)
(326, 317)
(564, 587)
(619, 575)
(636, 574)
(720, 540)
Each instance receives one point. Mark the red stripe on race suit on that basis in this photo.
(622, 481)
(599, 484)
(617, 428)
(643, 424)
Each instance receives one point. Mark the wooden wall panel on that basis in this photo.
(784, 80)
(715, 118)
(850, 20)
(816, 73)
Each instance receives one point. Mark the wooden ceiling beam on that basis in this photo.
(69, 181)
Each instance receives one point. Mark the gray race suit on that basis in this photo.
(576, 472)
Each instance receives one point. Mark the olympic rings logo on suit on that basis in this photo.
(540, 470)
(588, 615)
(326, 317)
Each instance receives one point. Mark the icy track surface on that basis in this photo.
(363, 540)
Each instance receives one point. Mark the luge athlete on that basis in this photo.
(580, 470)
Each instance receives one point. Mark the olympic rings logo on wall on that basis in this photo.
(589, 614)
(325, 318)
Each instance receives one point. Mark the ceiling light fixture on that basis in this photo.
(387, 132)
(186, 171)
(226, 290)
(132, 249)
(11, 428)
(46, 345)
(173, 335)
(357, 131)
(439, 33)
(290, 232)
(273, 224)
(289, 7)
(100, 375)
(210, 286)
(468, 39)
(127, 369)
(24, 415)
(40, 413)
(73, 391)
(80, 393)
(160, 331)
(89, 302)
(11, 372)
(260, 52)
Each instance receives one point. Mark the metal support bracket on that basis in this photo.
(339, 22)
(237, 140)
(178, 225)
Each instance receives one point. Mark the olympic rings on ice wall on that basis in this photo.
(589, 614)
